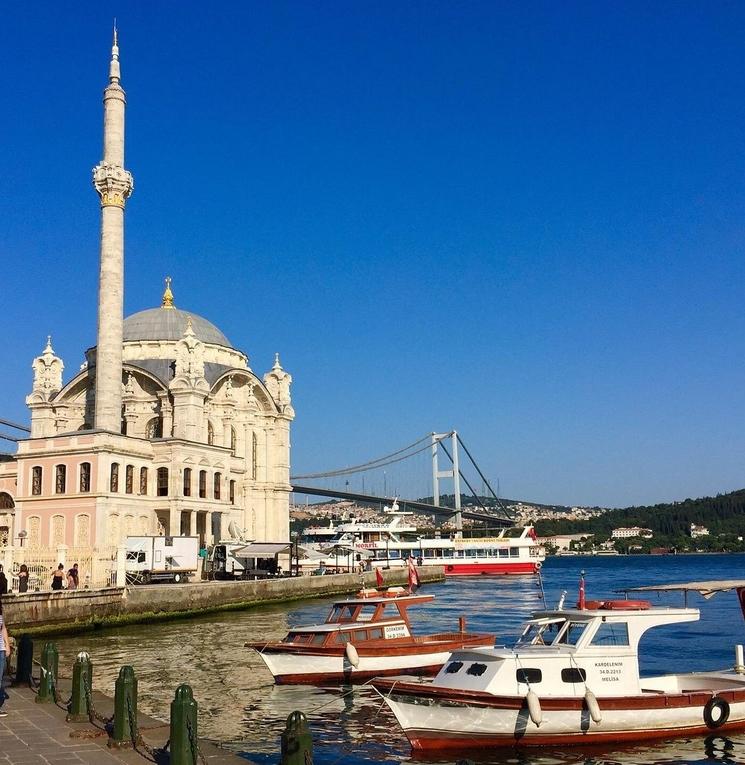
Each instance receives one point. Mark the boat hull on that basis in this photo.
(490, 569)
(313, 670)
(456, 723)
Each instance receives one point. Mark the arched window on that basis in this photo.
(154, 428)
(33, 527)
(129, 479)
(232, 492)
(202, 483)
(85, 476)
(233, 439)
(6, 501)
(57, 531)
(82, 530)
(216, 485)
(36, 476)
(162, 482)
(60, 479)
(254, 456)
(143, 480)
(210, 434)
(114, 481)
(187, 482)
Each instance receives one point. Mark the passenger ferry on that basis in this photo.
(513, 551)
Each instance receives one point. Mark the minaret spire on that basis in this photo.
(114, 185)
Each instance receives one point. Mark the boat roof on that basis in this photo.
(362, 600)
(347, 626)
(706, 588)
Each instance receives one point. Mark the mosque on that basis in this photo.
(165, 429)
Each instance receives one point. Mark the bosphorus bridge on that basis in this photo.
(418, 466)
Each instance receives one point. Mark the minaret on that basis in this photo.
(114, 185)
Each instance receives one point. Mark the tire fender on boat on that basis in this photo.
(592, 706)
(352, 656)
(716, 712)
(534, 708)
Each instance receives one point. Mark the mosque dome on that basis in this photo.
(169, 323)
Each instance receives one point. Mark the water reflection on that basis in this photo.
(239, 703)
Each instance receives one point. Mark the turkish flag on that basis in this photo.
(531, 533)
(379, 576)
(414, 581)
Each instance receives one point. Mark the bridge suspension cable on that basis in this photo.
(389, 459)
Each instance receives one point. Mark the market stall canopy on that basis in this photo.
(263, 549)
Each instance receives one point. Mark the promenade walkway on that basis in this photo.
(37, 734)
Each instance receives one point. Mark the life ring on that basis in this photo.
(716, 712)
(627, 605)
(538, 566)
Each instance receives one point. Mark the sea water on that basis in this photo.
(239, 704)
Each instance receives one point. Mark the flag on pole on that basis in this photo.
(581, 604)
(414, 580)
(379, 576)
(741, 598)
(532, 534)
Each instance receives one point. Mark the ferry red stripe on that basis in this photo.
(476, 569)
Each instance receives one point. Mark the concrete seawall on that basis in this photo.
(46, 613)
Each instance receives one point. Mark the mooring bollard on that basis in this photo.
(124, 730)
(49, 671)
(184, 727)
(79, 709)
(24, 660)
(297, 742)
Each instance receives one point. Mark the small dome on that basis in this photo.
(167, 323)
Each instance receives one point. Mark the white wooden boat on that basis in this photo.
(571, 678)
(363, 637)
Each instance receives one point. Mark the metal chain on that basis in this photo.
(92, 714)
(194, 745)
(137, 741)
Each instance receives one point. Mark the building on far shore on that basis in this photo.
(631, 531)
(698, 531)
(164, 429)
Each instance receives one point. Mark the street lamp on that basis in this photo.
(295, 540)
(387, 552)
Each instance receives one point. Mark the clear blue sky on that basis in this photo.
(522, 220)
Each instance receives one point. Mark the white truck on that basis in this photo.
(161, 559)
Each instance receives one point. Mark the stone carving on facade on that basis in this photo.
(47, 372)
(113, 183)
(190, 359)
(278, 384)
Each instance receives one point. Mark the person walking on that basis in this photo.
(23, 578)
(58, 577)
(4, 656)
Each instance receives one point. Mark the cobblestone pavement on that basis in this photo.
(37, 734)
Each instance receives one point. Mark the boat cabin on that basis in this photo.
(360, 620)
(561, 652)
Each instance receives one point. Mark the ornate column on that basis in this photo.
(114, 185)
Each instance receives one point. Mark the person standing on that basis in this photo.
(58, 577)
(4, 655)
(23, 578)
(3, 582)
(72, 578)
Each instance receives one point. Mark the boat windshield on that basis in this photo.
(341, 613)
(541, 632)
(571, 634)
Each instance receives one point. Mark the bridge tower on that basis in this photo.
(453, 473)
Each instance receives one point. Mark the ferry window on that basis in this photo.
(471, 553)
(453, 667)
(514, 552)
(476, 669)
(459, 554)
(430, 553)
(319, 639)
(394, 554)
(572, 633)
(376, 634)
(504, 552)
(612, 633)
(573, 675)
(366, 613)
(447, 553)
(493, 552)
(528, 675)
(481, 553)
